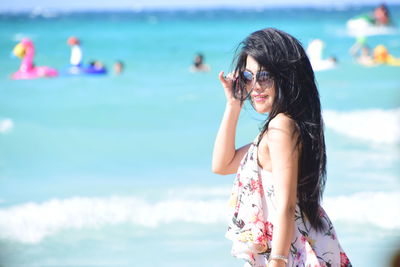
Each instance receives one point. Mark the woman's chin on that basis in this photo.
(262, 110)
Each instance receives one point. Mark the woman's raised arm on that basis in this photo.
(226, 158)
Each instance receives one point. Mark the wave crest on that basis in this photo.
(374, 125)
(374, 208)
(32, 222)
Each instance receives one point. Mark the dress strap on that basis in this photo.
(255, 141)
(254, 150)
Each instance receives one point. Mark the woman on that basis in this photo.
(277, 219)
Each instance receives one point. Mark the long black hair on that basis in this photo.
(296, 95)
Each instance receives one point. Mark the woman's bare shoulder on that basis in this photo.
(282, 122)
(281, 128)
(279, 135)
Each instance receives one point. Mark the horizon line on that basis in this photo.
(140, 8)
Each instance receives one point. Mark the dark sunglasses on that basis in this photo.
(263, 77)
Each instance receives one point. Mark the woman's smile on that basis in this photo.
(259, 98)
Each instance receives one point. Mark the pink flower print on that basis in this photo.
(265, 231)
(297, 256)
(256, 186)
(262, 231)
(260, 239)
(253, 185)
(303, 239)
(257, 214)
(260, 225)
(344, 260)
(256, 219)
(269, 228)
(260, 245)
(253, 258)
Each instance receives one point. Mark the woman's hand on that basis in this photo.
(227, 84)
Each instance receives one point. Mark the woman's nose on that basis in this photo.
(257, 87)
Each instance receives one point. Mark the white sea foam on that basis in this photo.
(32, 222)
(373, 125)
(6, 125)
(380, 209)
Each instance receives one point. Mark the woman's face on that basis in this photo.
(261, 89)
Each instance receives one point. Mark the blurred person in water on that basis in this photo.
(199, 65)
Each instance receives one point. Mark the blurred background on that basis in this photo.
(108, 167)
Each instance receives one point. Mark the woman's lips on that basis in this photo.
(259, 98)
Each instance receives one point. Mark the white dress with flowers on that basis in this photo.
(253, 215)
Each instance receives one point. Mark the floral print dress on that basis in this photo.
(253, 215)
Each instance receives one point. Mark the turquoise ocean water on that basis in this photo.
(116, 170)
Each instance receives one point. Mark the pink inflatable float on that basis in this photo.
(28, 70)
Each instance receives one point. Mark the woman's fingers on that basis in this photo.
(221, 76)
(230, 76)
(227, 83)
(226, 80)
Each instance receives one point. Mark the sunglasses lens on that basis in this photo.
(248, 76)
(264, 76)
